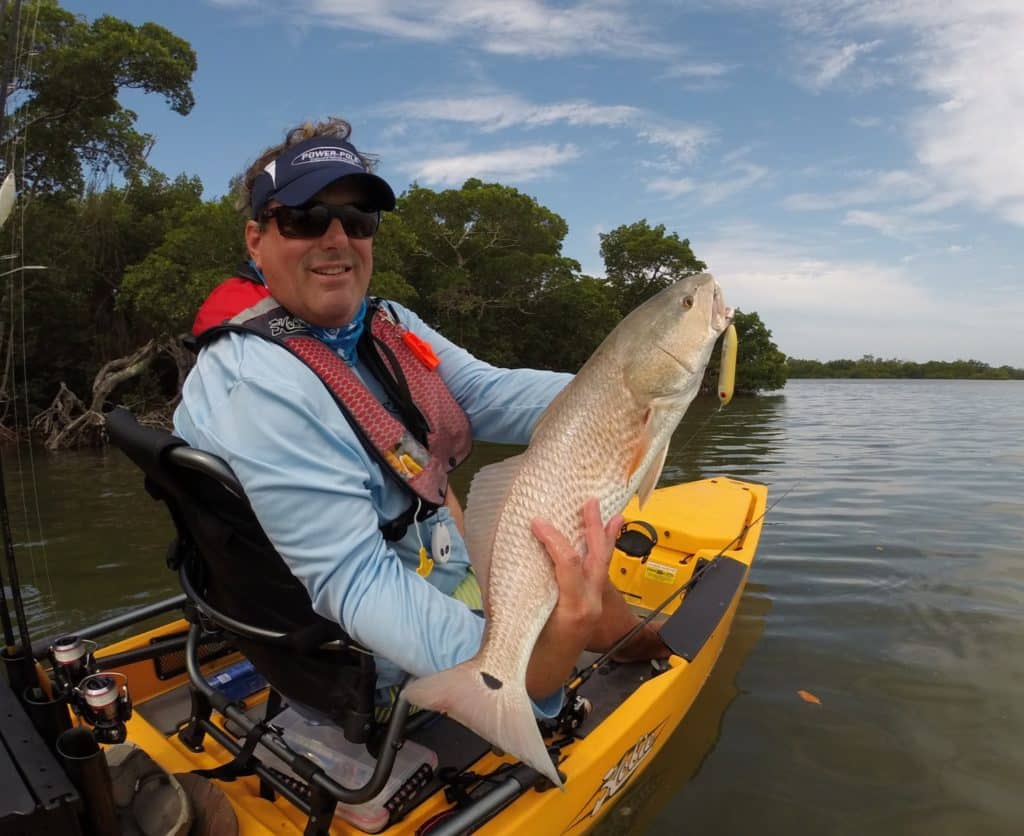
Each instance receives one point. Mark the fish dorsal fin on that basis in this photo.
(645, 441)
(486, 498)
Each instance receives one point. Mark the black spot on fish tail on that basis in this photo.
(491, 682)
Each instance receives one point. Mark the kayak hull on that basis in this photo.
(697, 524)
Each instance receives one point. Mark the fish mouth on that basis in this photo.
(721, 314)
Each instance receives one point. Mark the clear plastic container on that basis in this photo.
(351, 766)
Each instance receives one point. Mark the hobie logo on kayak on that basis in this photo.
(616, 777)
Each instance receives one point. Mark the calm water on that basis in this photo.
(889, 583)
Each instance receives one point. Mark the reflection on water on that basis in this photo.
(889, 583)
(693, 741)
(93, 546)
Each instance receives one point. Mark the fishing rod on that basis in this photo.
(15, 582)
(7, 199)
(574, 683)
(5, 613)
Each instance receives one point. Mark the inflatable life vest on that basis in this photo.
(419, 450)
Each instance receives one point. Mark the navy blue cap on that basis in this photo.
(302, 170)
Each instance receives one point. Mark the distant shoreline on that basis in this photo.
(874, 368)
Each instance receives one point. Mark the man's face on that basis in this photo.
(321, 280)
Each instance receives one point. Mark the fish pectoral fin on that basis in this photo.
(649, 481)
(486, 498)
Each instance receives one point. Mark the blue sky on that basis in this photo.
(852, 170)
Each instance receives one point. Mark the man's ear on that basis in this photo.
(253, 240)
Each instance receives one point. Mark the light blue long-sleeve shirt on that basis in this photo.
(321, 497)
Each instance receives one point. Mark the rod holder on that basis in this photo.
(49, 715)
(17, 676)
(86, 766)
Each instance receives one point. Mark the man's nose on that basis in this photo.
(335, 234)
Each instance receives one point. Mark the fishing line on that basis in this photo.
(574, 682)
(699, 429)
(577, 680)
(10, 157)
(704, 423)
(34, 481)
(29, 52)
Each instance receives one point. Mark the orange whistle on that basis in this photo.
(421, 348)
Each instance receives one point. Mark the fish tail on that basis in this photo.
(499, 711)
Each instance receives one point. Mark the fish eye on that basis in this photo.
(687, 302)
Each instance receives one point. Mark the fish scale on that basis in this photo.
(603, 436)
(533, 496)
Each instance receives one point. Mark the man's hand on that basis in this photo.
(581, 579)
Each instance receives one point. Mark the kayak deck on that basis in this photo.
(636, 706)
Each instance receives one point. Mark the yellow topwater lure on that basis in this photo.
(727, 370)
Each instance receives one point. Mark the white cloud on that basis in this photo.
(511, 164)
(500, 111)
(964, 56)
(866, 121)
(707, 70)
(699, 75)
(893, 224)
(685, 141)
(669, 187)
(972, 139)
(507, 27)
(830, 62)
(872, 187)
(743, 177)
(738, 175)
(824, 308)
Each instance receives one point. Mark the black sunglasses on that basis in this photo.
(313, 220)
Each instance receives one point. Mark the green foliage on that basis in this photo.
(870, 366)
(478, 258)
(67, 98)
(567, 322)
(166, 288)
(133, 261)
(640, 260)
(72, 325)
(760, 366)
(392, 250)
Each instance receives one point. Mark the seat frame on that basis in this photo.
(207, 622)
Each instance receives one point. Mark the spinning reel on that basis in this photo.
(99, 698)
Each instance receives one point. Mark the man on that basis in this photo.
(342, 418)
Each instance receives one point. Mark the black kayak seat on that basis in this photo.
(234, 577)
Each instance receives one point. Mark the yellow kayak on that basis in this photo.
(696, 540)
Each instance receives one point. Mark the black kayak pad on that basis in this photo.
(689, 627)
